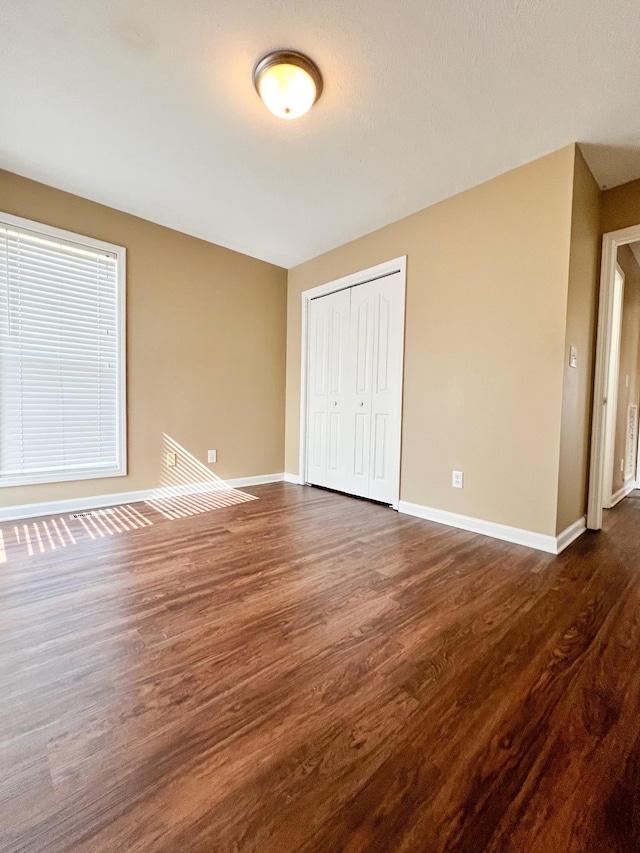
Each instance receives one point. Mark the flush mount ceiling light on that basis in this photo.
(288, 82)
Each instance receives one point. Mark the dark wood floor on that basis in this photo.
(309, 672)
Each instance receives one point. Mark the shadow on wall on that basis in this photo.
(618, 163)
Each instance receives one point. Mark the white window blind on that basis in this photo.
(61, 355)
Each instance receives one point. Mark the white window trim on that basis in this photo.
(120, 253)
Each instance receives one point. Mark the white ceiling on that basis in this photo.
(148, 106)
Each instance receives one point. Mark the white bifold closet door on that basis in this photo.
(354, 389)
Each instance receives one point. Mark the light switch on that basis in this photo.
(212, 456)
(573, 357)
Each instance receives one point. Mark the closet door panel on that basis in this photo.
(337, 473)
(318, 391)
(386, 393)
(328, 371)
(354, 389)
(361, 346)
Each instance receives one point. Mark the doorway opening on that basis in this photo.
(614, 470)
(351, 383)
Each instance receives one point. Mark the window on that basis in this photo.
(62, 355)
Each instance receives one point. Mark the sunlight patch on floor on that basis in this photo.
(32, 538)
(184, 505)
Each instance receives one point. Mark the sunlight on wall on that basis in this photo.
(188, 470)
(189, 487)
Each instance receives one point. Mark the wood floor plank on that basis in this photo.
(311, 672)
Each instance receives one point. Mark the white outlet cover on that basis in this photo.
(212, 456)
(573, 357)
(457, 479)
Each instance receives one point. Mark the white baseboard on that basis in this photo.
(570, 534)
(517, 535)
(34, 510)
(239, 482)
(292, 478)
(622, 493)
(539, 541)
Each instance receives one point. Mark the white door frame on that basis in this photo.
(611, 392)
(610, 244)
(637, 469)
(371, 274)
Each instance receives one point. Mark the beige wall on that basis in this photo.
(206, 330)
(487, 280)
(582, 299)
(621, 207)
(628, 378)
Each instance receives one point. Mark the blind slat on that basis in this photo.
(59, 357)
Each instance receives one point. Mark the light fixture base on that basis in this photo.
(287, 57)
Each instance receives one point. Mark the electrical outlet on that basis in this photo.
(212, 456)
(172, 459)
(457, 478)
